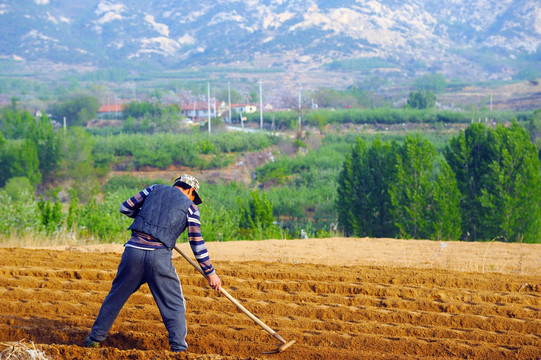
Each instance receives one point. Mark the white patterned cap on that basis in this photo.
(192, 182)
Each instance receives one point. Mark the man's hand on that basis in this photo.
(215, 282)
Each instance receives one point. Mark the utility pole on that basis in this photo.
(208, 104)
(260, 105)
(229, 99)
(241, 120)
(300, 106)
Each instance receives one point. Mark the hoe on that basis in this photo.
(279, 349)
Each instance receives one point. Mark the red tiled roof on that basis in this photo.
(111, 108)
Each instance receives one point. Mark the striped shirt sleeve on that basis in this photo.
(132, 206)
(196, 241)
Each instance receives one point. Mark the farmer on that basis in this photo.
(161, 213)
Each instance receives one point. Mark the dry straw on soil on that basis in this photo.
(21, 351)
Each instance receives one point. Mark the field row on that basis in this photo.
(52, 298)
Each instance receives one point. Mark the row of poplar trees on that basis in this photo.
(484, 185)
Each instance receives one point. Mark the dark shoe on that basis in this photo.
(91, 343)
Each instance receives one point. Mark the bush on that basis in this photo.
(19, 216)
(50, 215)
(161, 150)
(19, 189)
(102, 219)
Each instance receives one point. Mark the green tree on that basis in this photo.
(38, 145)
(469, 155)
(18, 158)
(101, 218)
(19, 188)
(327, 98)
(512, 195)
(431, 82)
(534, 127)
(498, 174)
(7, 158)
(346, 189)
(253, 97)
(388, 190)
(330, 98)
(219, 222)
(411, 192)
(78, 165)
(129, 125)
(446, 223)
(320, 122)
(381, 166)
(421, 100)
(78, 110)
(51, 215)
(256, 219)
(48, 145)
(27, 163)
(363, 201)
(139, 109)
(15, 124)
(19, 216)
(71, 219)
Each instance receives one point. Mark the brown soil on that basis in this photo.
(338, 298)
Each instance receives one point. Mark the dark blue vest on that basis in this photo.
(163, 214)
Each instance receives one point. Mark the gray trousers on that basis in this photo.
(155, 268)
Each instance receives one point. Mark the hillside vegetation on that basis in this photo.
(395, 177)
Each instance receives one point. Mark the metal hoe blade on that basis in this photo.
(280, 348)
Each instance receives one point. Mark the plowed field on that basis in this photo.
(335, 307)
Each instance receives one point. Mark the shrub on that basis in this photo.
(19, 189)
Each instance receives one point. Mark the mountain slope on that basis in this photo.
(482, 38)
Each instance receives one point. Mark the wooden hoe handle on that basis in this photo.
(233, 300)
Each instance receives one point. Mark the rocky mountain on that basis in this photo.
(479, 39)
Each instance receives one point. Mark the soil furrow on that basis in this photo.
(333, 312)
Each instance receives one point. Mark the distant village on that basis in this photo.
(196, 111)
